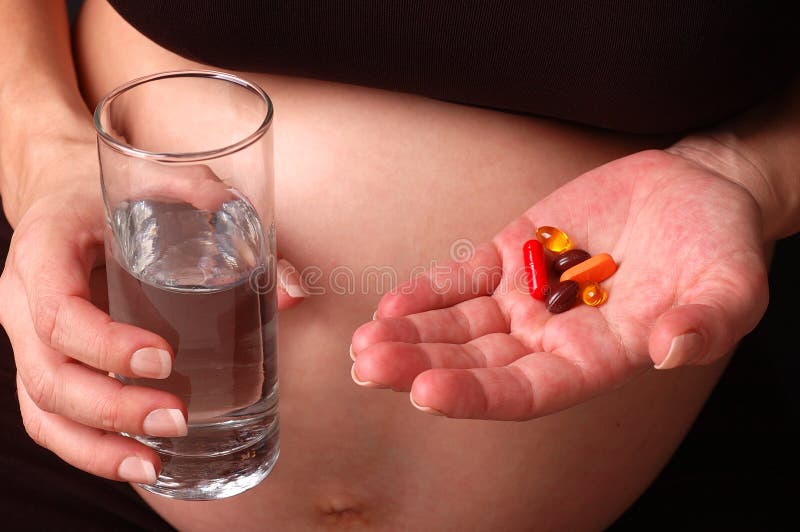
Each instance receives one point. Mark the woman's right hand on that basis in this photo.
(65, 347)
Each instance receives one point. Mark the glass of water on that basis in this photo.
(187, 176)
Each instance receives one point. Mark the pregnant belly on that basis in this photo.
(370, 187)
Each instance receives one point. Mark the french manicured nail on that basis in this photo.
(368, 384)
(167, 422)
(134, 469)
(683, 350)
(426, 409)
(352, 355)
(151, 362)
(292, 287)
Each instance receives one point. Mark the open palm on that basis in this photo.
(691, 282)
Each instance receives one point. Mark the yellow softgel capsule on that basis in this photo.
(553, 239)
(593, 294)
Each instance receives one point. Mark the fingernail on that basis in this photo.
(295, 290)
(368, 384)
(352, 354)
(292, 287)
(167, 422)
(134, 469)
(151, 362)
(375, 315)
(426, 409)
(684, 349)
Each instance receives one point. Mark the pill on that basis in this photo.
(597, 268)
(562, 297)
(536, 269)
(593, 294)
(553, 239)
(568, 259)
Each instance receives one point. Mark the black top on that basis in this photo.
(647, 67)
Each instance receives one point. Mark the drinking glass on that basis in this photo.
(187, 178)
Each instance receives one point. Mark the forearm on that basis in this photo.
(42, 115)
(760, 150)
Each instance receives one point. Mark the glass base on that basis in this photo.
(204, 478)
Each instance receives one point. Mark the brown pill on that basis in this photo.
(562, 297)
(568, 259)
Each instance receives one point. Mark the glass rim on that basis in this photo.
(133, 151)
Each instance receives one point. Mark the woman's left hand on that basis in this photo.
(691, 282)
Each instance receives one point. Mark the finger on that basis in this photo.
(59, 385)
(195, 184)
(577, 362)
(100, 453)
(495, 266)
(694, 334)
(110, 406)
(396, 364)
(535, 385)
(445, 285)
(65, 320)
(290, 287)
(458, 324)
(72, 325)
(707, 327)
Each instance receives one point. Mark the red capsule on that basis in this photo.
(536, 268)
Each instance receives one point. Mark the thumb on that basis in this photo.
(290, 287)
(707, 328)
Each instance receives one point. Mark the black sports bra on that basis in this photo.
(659, 66)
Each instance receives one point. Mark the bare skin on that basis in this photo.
(369, 178)
(414, 176)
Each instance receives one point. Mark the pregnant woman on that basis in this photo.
(402, 134)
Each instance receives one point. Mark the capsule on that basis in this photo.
(553, 239)
(536, 269)
(598, 268)
(562, 297)
(568, 259)
(593, 294)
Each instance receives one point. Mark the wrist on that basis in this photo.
(726, 155)
(43, 137)
(47, 166)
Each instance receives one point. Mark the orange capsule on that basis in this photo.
(598, 268)
(553, 239)
(593, 294)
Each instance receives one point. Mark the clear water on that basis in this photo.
(202, 281)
